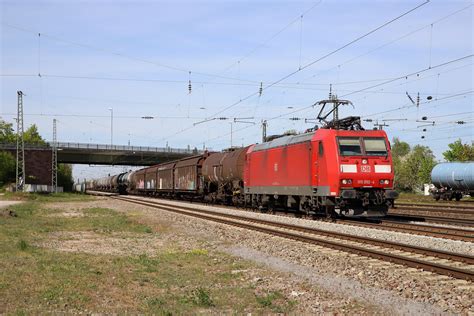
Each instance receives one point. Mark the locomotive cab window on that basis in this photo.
(375, 146)
(349, 146)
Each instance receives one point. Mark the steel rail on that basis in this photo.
(417, 229)
(382, 255)
(432, 219)
(435, 210)
(439, 205)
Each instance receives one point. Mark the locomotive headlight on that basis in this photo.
(364, 161)
(384, 181)
(346, 181)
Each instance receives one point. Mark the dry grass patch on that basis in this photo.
(105, 261)
(117, 244)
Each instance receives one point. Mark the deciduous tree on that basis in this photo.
(459, 152)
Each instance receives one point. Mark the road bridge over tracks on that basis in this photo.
(99, 154)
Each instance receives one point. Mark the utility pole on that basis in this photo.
(333, 98)
(111, 126)
(264, 131)
(231, 132)
(20, 146)
(54, 162)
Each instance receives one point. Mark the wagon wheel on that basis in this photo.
(271, 208)
(330, 211)
(458, 196)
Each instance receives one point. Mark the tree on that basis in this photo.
(32, 136)
(400, 151)
(399, 148)
(7, 161)
(412, 167)
(7, 167)
(6, 132)
(459, 152)
(65, 179)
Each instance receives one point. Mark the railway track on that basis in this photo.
(441, 262)
(433, 208)
(417, 229)
(430, 219)
(399, 223)
(457, 205)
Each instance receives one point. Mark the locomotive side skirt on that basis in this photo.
(290, 190)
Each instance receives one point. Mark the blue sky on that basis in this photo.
(135, 57)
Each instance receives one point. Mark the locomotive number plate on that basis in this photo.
(365, 168)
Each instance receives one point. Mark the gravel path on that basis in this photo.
(4, 203)
(340, 284)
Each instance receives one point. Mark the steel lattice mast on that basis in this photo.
(54, 162)
(20, 146)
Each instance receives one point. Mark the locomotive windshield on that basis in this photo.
(375, 146)
(349, 146)
(356, 146)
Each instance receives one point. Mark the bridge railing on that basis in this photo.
(68, 145)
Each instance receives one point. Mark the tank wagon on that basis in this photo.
(452, 180)
(327, 171)
(119, 183)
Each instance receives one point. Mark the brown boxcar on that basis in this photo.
(150, 178)
(165, 179)
(139, 180)
(187, 174)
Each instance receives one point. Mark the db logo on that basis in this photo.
(365, 168)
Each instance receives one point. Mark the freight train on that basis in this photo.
(452, 180)
(346, 172)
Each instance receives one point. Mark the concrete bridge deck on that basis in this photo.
(100, 154)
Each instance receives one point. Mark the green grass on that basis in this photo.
(23, 245)
(202, 297)
(275, 301)
(36, 280)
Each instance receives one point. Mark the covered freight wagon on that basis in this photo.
(187, 174)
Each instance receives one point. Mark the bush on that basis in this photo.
(202, 297)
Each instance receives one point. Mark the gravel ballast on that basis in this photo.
(410, 239)
(436, 294)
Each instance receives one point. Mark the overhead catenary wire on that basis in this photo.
(411, 74)
(386, 82)
(159, 64)
(396, 40)
(325, 56)
(272, 37)
(288, 83)
(407, 106)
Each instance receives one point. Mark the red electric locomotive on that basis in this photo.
(329, 170)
